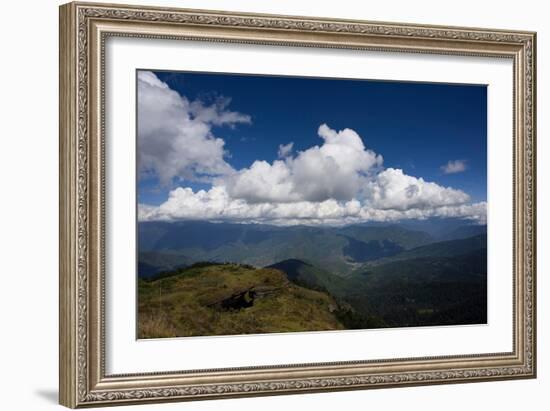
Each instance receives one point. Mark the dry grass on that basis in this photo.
(186, 304)
(155, 325)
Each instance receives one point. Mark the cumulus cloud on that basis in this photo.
(337, 169)
(285, 150)
(454, 166)
(391, 189)
(339, 181)
(216, 205)
(175, 136)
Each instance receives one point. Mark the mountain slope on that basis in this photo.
(151, 263)
(307, 275)
(401, 236)
(225, 299)
(338, 250)
(441, 249)
(441, 229)
(361, 251)
(463, 231)
(424, 290)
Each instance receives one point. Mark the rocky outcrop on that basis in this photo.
(245, 298)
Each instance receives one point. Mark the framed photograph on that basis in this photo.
(258, 204)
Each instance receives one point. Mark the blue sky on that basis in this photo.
(416, 127)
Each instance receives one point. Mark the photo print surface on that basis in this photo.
(271, 204)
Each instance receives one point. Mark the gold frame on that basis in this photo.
(84, 27)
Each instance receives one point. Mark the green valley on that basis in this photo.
(202, 278)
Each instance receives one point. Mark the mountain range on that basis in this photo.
(341, 250)
(430, 272)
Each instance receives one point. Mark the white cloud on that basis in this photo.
(337, 169)
(454, 166)
(339, 181)
(175, 135)
(285, 150)
(262, 182)
(393, 190)
(215, 204)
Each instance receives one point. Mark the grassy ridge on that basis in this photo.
(226, 299)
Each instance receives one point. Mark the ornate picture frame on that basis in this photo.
(84, 29)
